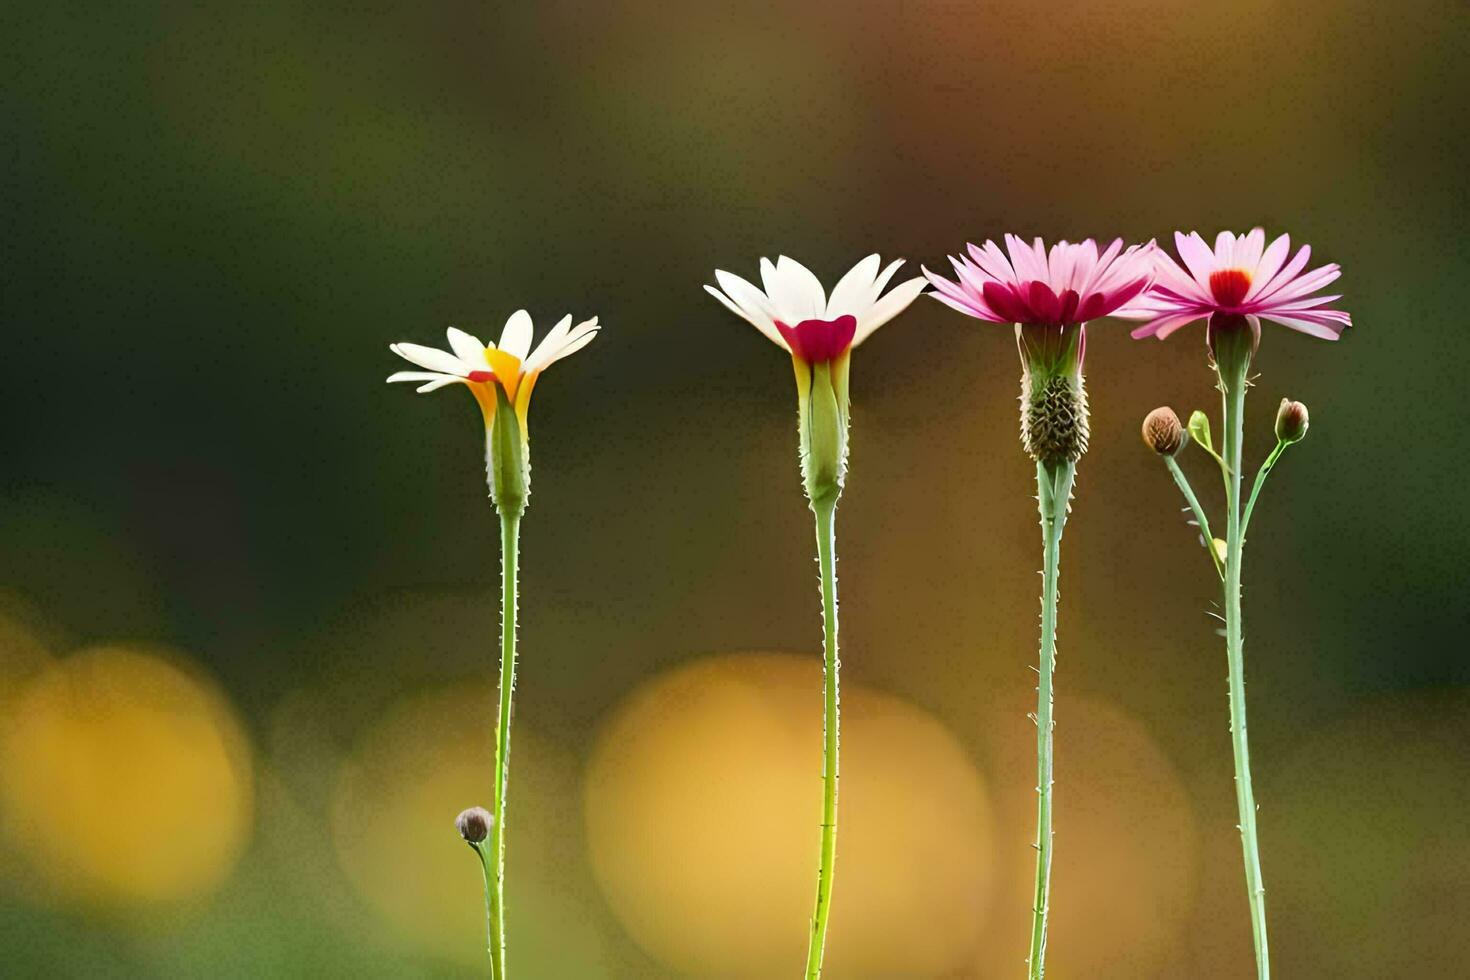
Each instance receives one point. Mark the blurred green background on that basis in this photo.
(247, 591)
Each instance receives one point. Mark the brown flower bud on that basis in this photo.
(1291, 421)
(1162, 431)
(474, 824)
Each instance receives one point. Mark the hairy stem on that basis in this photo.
(1233, 386)
(1199, 513)
(1053, 491)
(826, 516)
(510, 525)
(1266, 468)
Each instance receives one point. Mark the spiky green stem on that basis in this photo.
(825, 510)
(1181, 481)
(1233, 386)
(1265, 471)
(510, 524)
(1053, 491)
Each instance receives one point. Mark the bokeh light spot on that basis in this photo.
(392, 815)
(1125, 867)
(126, 779)
(703, 798)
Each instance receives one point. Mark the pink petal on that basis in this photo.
(1297, 263)
(1309, 283)
(1004, 301)
(1269, 265)
(1069, 307)
(1045, 306)
(1325, 331)
(1197, 256)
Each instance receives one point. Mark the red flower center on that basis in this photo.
(815, 341)
(1229, 286)
(482, 376)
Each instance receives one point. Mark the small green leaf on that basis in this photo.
(1199, 429)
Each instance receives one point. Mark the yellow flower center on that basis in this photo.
(507, 368)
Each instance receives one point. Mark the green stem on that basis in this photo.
(1054, 490)
(826, 515)
(1199, 513)
(510, 525)
(1266, 468)
(1233, 389)
(489, 892)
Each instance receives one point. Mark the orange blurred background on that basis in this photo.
(248, 592)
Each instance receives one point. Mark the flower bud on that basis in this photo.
(1291, 421)
(1054, 415)
(474, 824)
(1162, 431)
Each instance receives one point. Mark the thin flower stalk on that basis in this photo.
(819, 332)
(501, 378)
(1049, 295)
(1233, 287)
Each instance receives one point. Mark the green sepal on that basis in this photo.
(822, 416)
(507, 458)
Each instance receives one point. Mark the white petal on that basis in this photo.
(444, 379)
(416, 376)
(890, 306)
(515, 340)
(882, 280)
(795, 293)
(428, 357)
(748, 303)
(465, 346)
(574, 340)
(573, 345)
(854, 292)
(752, 304)
(550, 344)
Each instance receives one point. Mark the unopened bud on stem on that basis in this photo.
(474, 824)
(1162, 431)
(1291, 421)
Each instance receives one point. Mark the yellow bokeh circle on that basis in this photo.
(394, 802)
(125, 780)
(1126, 841)
(703, 799)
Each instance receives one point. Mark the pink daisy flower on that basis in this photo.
(1241, 276)
(1071, 283)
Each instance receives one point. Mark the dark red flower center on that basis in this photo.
(482, 376)
(1032, 302)
(1229, 286)
(815, 341)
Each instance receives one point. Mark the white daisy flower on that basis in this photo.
(799, 317)
(511, 364)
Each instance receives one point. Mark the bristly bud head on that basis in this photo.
(1163, 432)
(1054, 418)
(1291, 421)
(474, 824)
